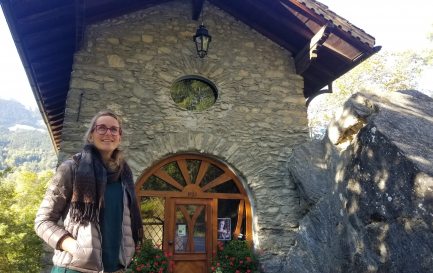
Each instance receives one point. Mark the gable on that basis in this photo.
(48, 33)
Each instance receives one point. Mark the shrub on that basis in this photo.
(149, 258)
(235, 257)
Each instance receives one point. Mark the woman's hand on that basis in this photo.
(69, 244)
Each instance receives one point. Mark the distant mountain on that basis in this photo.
(24, 139)
(12, 113)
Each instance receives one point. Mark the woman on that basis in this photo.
(93, 193)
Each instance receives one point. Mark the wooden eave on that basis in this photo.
(47, 34)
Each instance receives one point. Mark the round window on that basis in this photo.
(194, 93)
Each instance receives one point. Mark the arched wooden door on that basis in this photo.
(183, 200)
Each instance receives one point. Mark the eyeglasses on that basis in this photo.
(102, 130)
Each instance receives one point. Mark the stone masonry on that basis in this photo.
(128, 65)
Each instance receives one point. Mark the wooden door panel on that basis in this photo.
(190, 234)
(190, 267)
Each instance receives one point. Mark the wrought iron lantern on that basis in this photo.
(202, 40)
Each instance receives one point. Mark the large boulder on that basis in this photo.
(368, 189)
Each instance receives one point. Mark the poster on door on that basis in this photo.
(180, 238)
(181, 230)
(224, 229)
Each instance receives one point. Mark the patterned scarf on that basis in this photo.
(89, 187)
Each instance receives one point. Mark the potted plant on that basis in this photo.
(234, 257)
(150, 259)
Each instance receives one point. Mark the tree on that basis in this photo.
(21, 193)
(429, 52)
(384, 72)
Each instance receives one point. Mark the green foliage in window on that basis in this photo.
(193, 94)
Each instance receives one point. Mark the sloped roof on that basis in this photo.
(47, 33)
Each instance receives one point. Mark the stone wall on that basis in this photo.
(128, 65)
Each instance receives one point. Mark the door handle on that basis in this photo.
(170, 242)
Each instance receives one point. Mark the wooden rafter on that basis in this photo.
(310, 51)
(298, 7)
(184, 170)
(80, 9)
(201, 172)
(256, 14)
(167, 178)
(217, 181)
(197, 6)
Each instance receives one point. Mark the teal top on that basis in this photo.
(58, 269)
(111, 226)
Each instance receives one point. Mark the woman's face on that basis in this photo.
(106, 142)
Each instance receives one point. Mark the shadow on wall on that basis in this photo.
(368, 189)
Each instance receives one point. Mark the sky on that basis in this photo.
(396, 25)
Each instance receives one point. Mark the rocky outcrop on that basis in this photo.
(368, 189)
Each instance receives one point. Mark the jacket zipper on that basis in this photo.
(100, 256)
(121, 235)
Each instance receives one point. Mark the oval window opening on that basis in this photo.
(194, 93)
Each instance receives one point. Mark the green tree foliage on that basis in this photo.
(21, 193)
(384, 72)
(429, 52)
(24, 154)
(31, 150)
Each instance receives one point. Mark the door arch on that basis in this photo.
(183, 198)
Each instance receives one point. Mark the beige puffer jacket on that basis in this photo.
(56, 206)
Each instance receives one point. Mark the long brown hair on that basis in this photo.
(117, 158)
